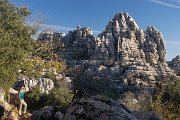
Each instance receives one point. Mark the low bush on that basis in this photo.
(59, 96)
(166, 103)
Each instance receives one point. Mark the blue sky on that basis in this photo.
(65, 15)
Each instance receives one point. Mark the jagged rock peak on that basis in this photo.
(84, 31)
(122, 21)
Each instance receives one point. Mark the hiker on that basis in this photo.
(22, 102)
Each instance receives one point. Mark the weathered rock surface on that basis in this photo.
(97, 108)
(3, 103)
(47, 113)
(45, 84)
(53, 38)
(123, 49)
(175, 64)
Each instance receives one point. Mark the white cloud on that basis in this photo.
(168, 3)
(63, 28)
(176, 1)
(56, 28)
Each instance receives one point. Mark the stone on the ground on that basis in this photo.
(97, 108)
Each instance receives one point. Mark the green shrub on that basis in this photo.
(166, 103)
(61, 96)
(35, 99)
(15, 41)
(111, 94)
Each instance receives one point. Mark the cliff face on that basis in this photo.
(126, 42)
(141, 53)
(121, 50)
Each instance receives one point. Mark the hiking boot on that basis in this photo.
(20, 113)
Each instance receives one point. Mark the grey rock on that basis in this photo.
(45, 85)
(6, 106)
(59, 116)
(97, 108)
(45, 113)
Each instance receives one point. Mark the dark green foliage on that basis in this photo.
(15, 40)
(110, 93)
(172, 92)
(59, 96)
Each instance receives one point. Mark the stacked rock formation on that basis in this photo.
(79, 44)
(52, 38)
(122, 50)
(142, 53)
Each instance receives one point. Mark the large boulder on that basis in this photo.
(97, 108)
(44, 113)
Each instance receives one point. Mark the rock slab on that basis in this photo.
(97, 108)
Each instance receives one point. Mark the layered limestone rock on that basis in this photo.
(97, 108)
(123, 50)
(52, 38)
(44, 84)
(141, 53)
(78, 44)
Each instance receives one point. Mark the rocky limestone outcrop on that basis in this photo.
(141, 53)
(97, 108)
(79, 44)
(123, 49)
(44, 84)
(175, 64)
(52, 38)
